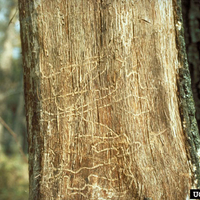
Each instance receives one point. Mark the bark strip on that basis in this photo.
(186, 102)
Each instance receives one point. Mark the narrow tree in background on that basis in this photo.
(110, 113)
(191, 18)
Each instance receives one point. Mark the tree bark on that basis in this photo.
(108, 100)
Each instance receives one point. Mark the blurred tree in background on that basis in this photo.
(13, 169)
(191, 18)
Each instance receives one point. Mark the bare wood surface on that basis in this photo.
(101, 100)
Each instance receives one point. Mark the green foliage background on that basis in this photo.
(14, 178)
(13, 168)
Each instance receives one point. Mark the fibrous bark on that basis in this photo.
(101, 100)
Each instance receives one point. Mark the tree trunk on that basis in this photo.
(110, 113)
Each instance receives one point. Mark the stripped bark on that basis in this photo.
(102, 100)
